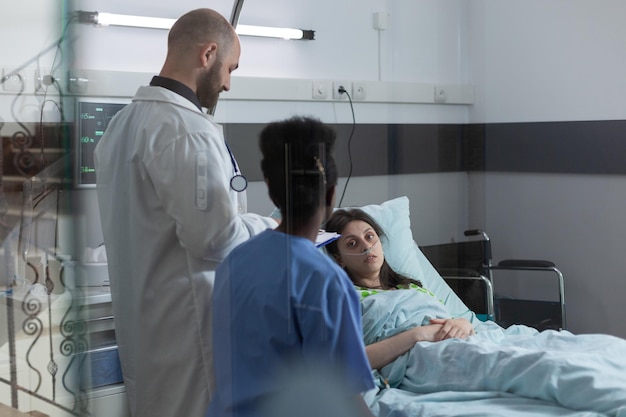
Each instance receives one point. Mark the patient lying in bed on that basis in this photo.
(414, 343)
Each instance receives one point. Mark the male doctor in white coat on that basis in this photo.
(169, 215)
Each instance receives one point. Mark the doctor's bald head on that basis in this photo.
(202, 51)
(198, 27)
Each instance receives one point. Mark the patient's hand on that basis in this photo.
(452, 328)
(441, 329)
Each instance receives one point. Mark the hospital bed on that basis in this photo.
(442, 399)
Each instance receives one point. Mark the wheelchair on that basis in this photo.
(468, 269)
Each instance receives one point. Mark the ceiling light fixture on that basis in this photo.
(111, 19)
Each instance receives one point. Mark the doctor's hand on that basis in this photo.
(453, 328)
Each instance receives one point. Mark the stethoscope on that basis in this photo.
(238, 182)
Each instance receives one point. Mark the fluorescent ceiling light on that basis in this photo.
(111, 19)
(269, 32)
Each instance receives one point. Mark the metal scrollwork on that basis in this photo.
(74, 345)
(32, 326)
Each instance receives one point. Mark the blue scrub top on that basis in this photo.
(279, 304)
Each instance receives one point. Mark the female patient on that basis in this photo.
(359, 252)
(279, 304)
(401, 319)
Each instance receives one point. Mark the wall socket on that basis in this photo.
(359, 91)
(320, 89)
(441, 96)
(347, 85)
(42, 80)
(78, 82)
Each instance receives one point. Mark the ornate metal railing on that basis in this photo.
(46, 334)
(38, 338)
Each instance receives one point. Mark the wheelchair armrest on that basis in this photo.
(459, 272)
(536, 265)
(525, 263)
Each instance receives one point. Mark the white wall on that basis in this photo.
(424, 42)
(547, 61)
(554, 61)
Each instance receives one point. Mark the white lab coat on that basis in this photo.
(165, 230)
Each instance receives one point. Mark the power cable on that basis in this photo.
(342, 90)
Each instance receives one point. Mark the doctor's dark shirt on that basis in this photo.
(176, 87)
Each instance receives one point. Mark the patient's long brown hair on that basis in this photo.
(339, 220)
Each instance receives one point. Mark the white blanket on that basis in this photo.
(570, 372)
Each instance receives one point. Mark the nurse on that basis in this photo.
(284, 314)
(172, 207)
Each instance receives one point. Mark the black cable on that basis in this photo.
(53, 81)
(343, 91)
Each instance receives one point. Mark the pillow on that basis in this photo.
(405, 257)
(394, 218)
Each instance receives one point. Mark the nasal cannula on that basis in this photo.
(365, 252)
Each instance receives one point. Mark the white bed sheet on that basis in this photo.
(576, 372)
(398, 403)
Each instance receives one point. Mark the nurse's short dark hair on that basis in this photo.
(310, 170)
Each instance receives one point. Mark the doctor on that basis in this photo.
(172, 205)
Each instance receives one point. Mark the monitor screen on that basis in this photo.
(93, 117)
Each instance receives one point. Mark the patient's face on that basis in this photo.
(356, 238)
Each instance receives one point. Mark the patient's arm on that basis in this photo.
(386, 351)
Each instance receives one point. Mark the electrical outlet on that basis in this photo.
(78, 82)
(320, 89)
(13, 81)
(359, 91)
(347, 85)
(42, 79)
(441, 96)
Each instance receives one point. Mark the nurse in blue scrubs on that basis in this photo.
(280, 306)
